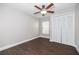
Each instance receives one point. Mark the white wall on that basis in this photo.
(40, 27)
(77, 26)
(16, 26)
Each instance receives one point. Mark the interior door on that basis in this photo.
(67, 29)
(56, 29)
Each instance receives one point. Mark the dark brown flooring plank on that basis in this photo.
(40, 46)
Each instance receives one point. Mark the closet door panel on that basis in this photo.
(56, 29)
(67, 29)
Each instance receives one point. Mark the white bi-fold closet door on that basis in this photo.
(63, 29)
(57, 29)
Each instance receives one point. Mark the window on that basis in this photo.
(45, 27)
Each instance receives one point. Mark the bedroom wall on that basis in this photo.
(16, 26)
(77, 26)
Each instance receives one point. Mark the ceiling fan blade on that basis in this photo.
(50, 11)
(49, 6)
(38, 7)
(43, 6)
(37, 12)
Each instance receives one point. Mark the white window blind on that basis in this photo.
(45, 27)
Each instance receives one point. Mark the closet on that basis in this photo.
(62, 28)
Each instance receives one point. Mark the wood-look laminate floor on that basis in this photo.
(40, 46)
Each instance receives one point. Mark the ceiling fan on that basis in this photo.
(44, 10)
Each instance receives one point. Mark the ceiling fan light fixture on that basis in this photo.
(43, 12)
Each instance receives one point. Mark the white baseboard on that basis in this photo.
(6, 47)
(77, 48)
(44, 36)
